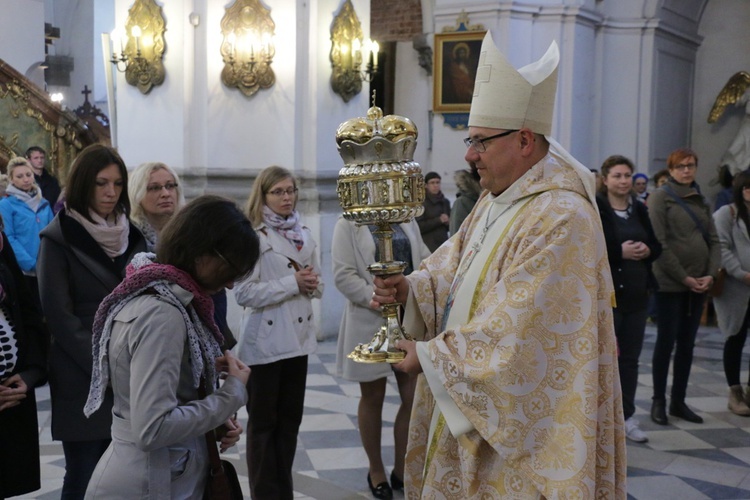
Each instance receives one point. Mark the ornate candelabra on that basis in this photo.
(380, 185)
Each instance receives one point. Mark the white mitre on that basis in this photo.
(509, 99)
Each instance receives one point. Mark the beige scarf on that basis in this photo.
(111, 236)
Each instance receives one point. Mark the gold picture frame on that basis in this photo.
(455, 68)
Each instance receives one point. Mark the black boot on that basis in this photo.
(680, 409)
(659, 411)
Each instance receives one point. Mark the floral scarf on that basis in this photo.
(290, 227)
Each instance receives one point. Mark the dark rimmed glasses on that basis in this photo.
(281, 192)
(478, 144)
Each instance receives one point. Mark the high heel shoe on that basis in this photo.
(396, 483)
(382, 490)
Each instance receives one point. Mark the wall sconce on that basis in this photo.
(247, 47)
(347, 50)
(141, 53)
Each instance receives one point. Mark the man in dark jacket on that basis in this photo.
(47, 182)
(433, 223)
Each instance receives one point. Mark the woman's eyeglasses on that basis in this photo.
(281, 192)
(156, 188)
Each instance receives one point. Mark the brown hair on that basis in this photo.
(611, 162)
(209, 225)
(741, 181)
(81, 185)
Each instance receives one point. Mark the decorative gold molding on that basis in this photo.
(143, 52)
(247, 47)
(346, 28)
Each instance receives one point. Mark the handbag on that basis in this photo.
(718, 285)
(223, 483)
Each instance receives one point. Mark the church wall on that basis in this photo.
(724, 52)
(22, 34)
(219, 139)
(674, 67)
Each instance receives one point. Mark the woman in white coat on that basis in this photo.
(277, 332)
(354, 249)
(732, 311)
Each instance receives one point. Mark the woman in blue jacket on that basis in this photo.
(26, 213)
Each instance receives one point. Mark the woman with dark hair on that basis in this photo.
(685, 271)
(82, 258)
(277, 332)
(726, 195)
(632, 247)
(660, 178)
(732, 309)
(22, 368)
(157, 344)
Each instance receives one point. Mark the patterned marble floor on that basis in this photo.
(681, 460)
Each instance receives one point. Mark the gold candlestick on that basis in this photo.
(380, 185)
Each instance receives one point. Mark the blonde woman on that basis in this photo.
(277, 332)
(26, 213)
(155, 195)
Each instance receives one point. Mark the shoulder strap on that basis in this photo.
(213, 451)
(668, 189)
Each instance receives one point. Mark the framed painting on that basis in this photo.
(455, 68)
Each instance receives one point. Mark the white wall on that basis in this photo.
(220, 138)
(22, 34)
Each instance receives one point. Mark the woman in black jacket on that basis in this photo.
(82, 258)
(22, 368)
(632, 247)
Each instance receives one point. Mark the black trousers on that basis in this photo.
(81, 458)
(733, 352)
(679, 316)
(276, 401)
(629, 330)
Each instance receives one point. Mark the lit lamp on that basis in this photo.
(140, 54)
(348, 50)
(247, 47)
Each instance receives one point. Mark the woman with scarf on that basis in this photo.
(277, 332)
(156, 343)
(22, 368)
(25, 213)
(82, 258)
